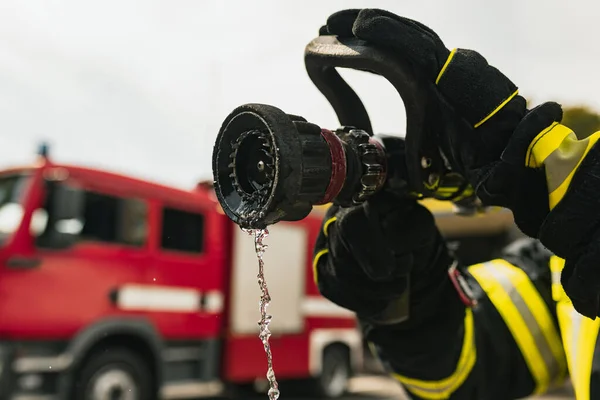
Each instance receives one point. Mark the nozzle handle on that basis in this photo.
(326, 53)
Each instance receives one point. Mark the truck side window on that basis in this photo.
(182, 230)
(114, 220)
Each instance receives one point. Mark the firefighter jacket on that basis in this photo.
(517, 336)
(503, 329)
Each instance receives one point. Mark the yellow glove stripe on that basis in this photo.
(326, 225)
(558, 293)
(490, 115)
(465, 68)
(545, 143)
(316, 262)
(558, 149)
(445, 66)
(442, 389)
(322, 252)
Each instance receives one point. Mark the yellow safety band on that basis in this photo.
(321, 252)
(468, 192)
(545, 143)
(490, 115)
(432, 186)
(579, 335)
(442, 389)
(558, 149)
(556, 266)
(316, 262)
(527, 318)
(452, 53)
(446, 192)
(557, 195)
(326, 225)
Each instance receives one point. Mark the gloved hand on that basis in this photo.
(487, 103)
(521, 159)
(368, 256)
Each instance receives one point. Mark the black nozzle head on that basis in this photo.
(258, 166)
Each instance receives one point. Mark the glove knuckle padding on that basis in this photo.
(358, 238)
(409, 39)
(475, 88)
(371, 251)
(341, 23)
(380, 239)
(341, 279)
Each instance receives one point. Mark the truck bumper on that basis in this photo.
(28, 378)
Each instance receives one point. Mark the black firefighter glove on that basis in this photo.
(521, 159)
(487, 104)
(371, 258)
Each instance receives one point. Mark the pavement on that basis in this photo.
(383, 388)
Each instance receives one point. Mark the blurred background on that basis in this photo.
(141, 88)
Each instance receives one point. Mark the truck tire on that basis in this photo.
(114, 373)
(335, 373)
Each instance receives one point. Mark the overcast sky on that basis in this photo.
(141, 87)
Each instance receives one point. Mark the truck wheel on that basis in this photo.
(335, 373)
(114, 374)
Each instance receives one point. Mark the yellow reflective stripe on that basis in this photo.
(561, 152)
(545, 143)
(445, 66)
(442, 389)
(432, 186)
(527, 318)
(579, 340)
(315, 262)
(584, 355)
(447, 189)
(322, 252)
(557, 195)
(327, 223)
(445, 192)
(490, 115)
(466, 193)
(556, 266)
(579, 335)
(527, 291)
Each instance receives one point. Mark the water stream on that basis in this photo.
(265, 299)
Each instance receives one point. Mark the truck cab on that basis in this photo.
(99, 270)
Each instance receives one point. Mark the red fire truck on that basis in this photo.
(114, 287)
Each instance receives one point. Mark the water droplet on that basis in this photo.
(273, 394)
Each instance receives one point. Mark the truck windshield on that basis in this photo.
(12, 195)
